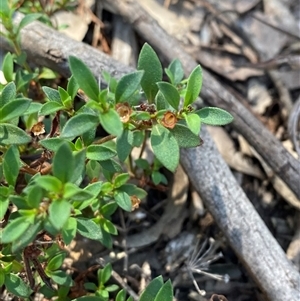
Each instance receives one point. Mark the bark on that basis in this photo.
(211, 177)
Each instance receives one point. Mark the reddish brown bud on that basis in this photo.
(169, 120)
(124, 110)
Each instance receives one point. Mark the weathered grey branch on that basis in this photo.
(211, 177)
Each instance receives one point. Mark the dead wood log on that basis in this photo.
(211, 177)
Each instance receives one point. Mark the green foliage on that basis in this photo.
(68, 174)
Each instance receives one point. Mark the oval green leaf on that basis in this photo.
(185, 137)
(59, 212)
(170, 94)
(79, 124)
(111, 122)
(165, 147)
(214, 116)
(149, 62)
(127, 86)
(100, 152)
(11, 165)
(194, 86)
(84, 77)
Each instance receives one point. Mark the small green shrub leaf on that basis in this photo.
(170, 94)
(100, 152)
(111, 122)
(11, 165)
(14, 109)
(63, 163)
(123, 200)
(56, 261)
(194, 86)
(27, 237)
(128, 85)
(88, 228)
(72, 87)
(165, 147)
(53, 144)
(79, 169)
(108, 226)
(61, 278)
(185, 137)
(59, 212)
(78, 125)
(11, 134)
(124, 144)
(50, 108)
(8, 67)
(152, 289)
(194, 123)
(8, 94)
(69, 230)
(14, 229)
(49, 183)
(121, 179)
(149, 62)
(175, 68)
(28, 19)
(165, 293)
(84, 77)
(17, 286)
(52, 94)
(214, 116)
(3, 206)
(88, 298)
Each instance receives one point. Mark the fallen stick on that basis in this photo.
(213, 180)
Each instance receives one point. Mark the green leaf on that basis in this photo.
(52, 94)
(53, 144)
(34, 107)
(61, 278)
(11, 165)
(149, 62)
(35, 196)
(133, 190)
(108, 226)
(56, 261)
(124, 144)
(73, 192)
(14, 229)
(63, 163)
(88, 228)
(78, 174)
(69, 230)
(161, 102)
(170, 93)
(72, 87)
(59, 212)
(194, 86)
(17, 286)
(11, 134)
(194, 123)
(88, 298)
(50, 108)
(138, 138)
(3, 206)
(152, 289)
(123, 200)
(28, 236)
(165, 293)
(121, 179)
(111, 166)
(100, 152)
(8, 67)
(106, 273)
(28, 19)
(214, 116)
(185, 137)
(121, 296)
(165, 147)
(8, 94)
(128, 85)
(84, 77)
(78, 125)
(108, 209)
(111, 122)
(49, 183)
(14, 109)
(177, 72)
